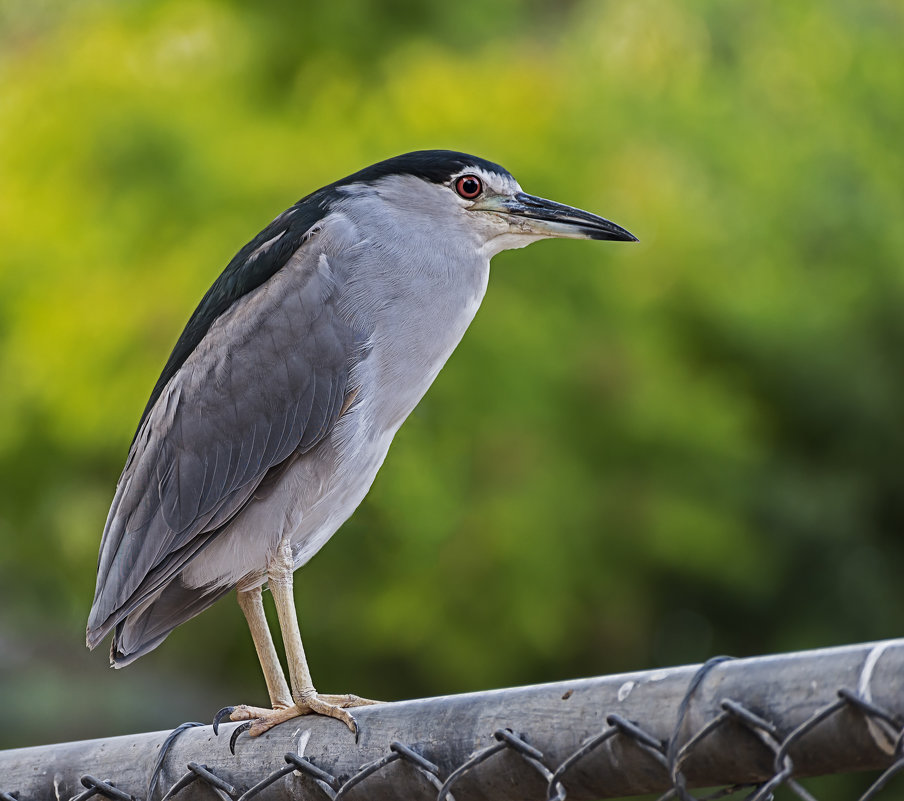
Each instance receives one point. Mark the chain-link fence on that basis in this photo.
(747, 725)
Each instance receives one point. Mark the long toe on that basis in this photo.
(332, 706)
(335, 706)
(347, 701)
(262, 719)
(246, 712)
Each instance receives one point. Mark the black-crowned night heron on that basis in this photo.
(279, 401)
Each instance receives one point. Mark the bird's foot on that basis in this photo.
(259, 719)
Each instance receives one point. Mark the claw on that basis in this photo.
(238, 730)
(225, 712)
(256, 720)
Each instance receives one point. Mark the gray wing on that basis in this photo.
(267, 381)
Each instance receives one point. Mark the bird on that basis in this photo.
(280, 399)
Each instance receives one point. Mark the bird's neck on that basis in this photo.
(416, 296)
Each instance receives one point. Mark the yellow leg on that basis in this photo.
(279, 577)
(252, 605)
(306, 699)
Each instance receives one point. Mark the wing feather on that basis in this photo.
(266, 381)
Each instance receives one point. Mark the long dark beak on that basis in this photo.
(536, 215)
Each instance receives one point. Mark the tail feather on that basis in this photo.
(147, 626)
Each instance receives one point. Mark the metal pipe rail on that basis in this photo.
(761, 722)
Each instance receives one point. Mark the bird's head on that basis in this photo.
(455, 193)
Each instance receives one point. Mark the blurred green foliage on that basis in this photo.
(638, 456)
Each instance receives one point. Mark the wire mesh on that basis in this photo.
(665, 759)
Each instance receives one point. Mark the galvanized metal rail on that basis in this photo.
(758, 723)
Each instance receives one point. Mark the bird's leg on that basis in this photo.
(280, 577)
(307, 699)
(252, 605)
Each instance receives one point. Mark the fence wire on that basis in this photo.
(664, 761)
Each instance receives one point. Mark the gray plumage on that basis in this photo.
(281, 398)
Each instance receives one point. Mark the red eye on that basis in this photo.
(469, 186)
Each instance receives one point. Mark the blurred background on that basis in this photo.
(639, 456)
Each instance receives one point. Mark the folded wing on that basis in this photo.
(266, 381)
